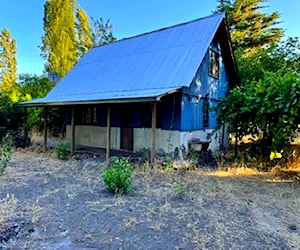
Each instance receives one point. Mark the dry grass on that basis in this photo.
(8, 207)
(233, 208)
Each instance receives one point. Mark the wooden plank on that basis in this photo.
(73, 131)
(45, 128)
(26, 142)
(108, 134)
(153, 132)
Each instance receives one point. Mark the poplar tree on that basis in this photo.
(59, 43)
(84, 31)
(8, 65)
(250, 28)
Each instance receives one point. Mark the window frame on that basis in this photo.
(205, 112)
(214, 63)
(88, 115)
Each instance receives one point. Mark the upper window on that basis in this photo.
(214, 67)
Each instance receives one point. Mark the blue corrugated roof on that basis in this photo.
(147, 65)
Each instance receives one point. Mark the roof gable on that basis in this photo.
(146, 65)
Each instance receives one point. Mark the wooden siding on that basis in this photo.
(202, 86)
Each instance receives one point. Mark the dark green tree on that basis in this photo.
(268, 108)
(32, 87)
(250, 28)
(59, 43)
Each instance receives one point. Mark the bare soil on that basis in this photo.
(46, 203)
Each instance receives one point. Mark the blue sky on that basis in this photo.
(129, 17)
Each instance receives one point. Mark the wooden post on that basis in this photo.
(26, 143)
(45, 127)
(153, 132)
(73, 131)
(108, 134)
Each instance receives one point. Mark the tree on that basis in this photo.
(59, 43)
(35, 86)
(283, 56)
(84, 31)
(8, 66)
(250, 28)
(102, 33)
(269, 107)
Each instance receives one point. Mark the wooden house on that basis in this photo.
(153, 90)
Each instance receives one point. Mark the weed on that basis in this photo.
(194, 157)
(7, 208)
(167, 164)
(5, 153)
(180, 189)
(118, 177)
(144, 155)
(62, 151)
(34, 210)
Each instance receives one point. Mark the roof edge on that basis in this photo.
(165, 28)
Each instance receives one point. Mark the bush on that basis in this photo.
(5, 153)
(62, 151)
(118, 177)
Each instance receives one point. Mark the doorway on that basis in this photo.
(126, 131)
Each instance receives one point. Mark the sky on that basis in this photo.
(24, 19)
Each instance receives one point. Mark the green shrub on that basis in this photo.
(180, 189)
(62, 152)
(5, 152)
(118, 177)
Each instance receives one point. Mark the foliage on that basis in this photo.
(250, 28)
(84, 31)
(59, 43)
(269, 107)
(11, 117)
(102, 32)
(35, 86)
(8, 66)
(180, 189)
(118, 177)
(62, 151)
(167, 164)
(283, 56)
(5, 153)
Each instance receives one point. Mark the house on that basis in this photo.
(153, 90)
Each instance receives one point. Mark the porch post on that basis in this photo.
(153, 132)
(25, 128)
(108, 134)
(73, 131)
(45, 127)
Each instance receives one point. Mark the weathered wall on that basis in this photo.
(204, 85)
(94, 136)
(166, 140)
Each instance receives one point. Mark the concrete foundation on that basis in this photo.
(166, 140)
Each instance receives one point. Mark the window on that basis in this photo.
(214, 66)
(89, 115)
(205, 112)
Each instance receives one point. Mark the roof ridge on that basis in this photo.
(165, 28)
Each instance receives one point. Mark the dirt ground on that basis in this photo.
(46, 203)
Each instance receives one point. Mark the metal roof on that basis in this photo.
(144, 66)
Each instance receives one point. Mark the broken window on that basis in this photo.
(214, 66)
